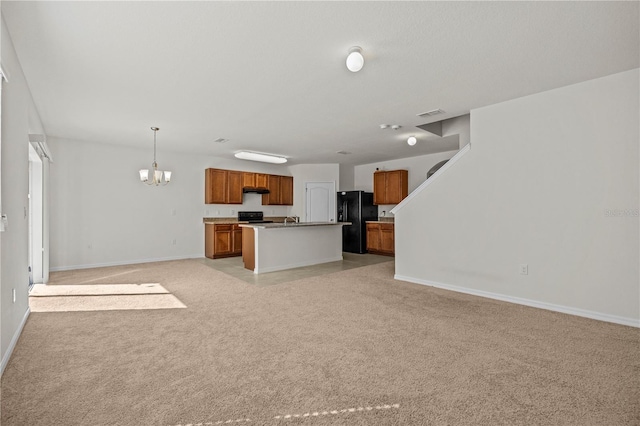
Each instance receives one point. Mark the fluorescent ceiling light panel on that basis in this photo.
(256, 156)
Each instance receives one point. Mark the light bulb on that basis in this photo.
(355, 60)
(412, 140)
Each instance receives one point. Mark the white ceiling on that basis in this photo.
(270, 76)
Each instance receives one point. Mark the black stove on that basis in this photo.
(252, 217)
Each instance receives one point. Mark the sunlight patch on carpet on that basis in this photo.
(101, 297)
(43, 290)
(308, 415)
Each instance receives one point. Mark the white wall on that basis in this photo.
(19, 118)
(347, 178)
(538, 187)
(101, 214)
(417, 167)
(303, 173)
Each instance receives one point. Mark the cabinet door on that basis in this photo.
(395, 186)
(237, 239)
(373, 237)
(234, 187)
(223, 242)
(215, 186)
(386, 238)
(273, 197)
(379, 188)
(262, 180)
(248, 179)
(286, 190)
(209, 240)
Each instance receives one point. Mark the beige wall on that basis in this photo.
(551, 181)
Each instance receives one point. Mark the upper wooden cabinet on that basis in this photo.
(225, 187)
(222, 186)
(390, 186)
(286, 190)
(280, 191)
(249, 179)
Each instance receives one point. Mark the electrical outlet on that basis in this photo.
(89, 246)
(524, 269)
(173, 242)
(233, 212)
(173, 212)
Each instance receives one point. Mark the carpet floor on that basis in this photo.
(354, 347)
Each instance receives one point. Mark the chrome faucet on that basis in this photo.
(294, 218)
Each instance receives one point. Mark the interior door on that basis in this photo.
(320, 201)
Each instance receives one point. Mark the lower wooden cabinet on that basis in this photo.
(380, 238)
(222, 240)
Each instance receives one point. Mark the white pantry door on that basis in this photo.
(320, 201)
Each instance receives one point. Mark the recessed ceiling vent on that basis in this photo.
(431, 113)
(221, 140)
(343, 152)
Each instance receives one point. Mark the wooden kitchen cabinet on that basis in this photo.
(390, 186)
(222, 240)
(248, 179)
(380, 238)
(280, 191)
(222, 186)
(373, 237)
(225, 187)
(286, 190)
(262, 180)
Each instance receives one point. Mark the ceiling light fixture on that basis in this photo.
(384, 126)
(257, 156)
(396, 126)
(157, 174)
(355, 60)
(412, 140)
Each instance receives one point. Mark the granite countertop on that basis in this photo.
(291, 224)
(382, 220)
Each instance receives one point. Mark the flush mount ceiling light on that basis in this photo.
(355, 60)
(257, 156)
(157, 174)
(412, 140)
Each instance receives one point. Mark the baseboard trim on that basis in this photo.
(297, 265)
(124, 262)
(527, 302)
(14, 341)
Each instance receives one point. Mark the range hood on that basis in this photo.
(255, 190)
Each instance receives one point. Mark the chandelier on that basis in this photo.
(157, 174)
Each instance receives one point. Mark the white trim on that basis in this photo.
(433, 177)
(123, 262)
(632, 322)
(14, 341)
(296, 265)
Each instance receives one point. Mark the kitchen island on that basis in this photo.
(268, 247)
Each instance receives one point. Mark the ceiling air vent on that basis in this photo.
(343, 152)
(431, 113)
(221, 140)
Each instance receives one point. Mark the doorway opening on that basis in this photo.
(35, 217)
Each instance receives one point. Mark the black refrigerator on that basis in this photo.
(355, 207)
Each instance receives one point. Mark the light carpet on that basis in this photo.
(343, 344)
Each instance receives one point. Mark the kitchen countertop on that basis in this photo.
(291, 224)
(380, 221)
